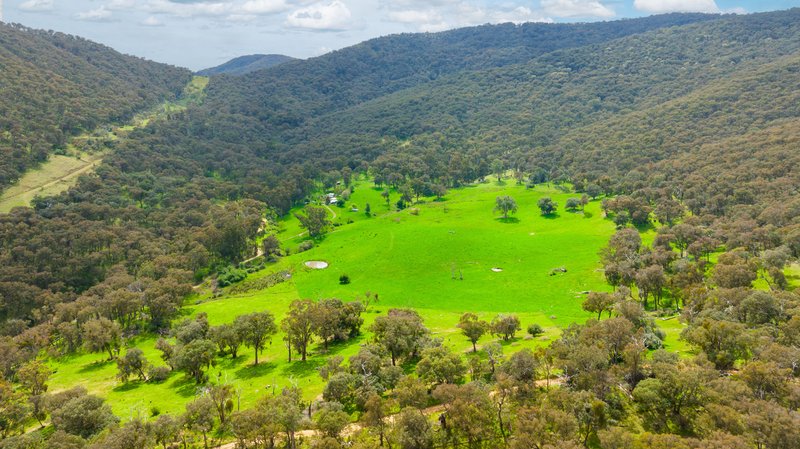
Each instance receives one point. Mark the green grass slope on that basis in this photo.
(409, 260)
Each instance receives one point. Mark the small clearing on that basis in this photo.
(53, 177)
(60, 172)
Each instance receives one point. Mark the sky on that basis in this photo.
(203, 33)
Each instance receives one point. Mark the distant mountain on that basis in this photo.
(246, 64)
(54, 85)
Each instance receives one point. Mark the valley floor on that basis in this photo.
(436, 257)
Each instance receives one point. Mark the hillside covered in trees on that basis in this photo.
(687, 127)
(55, 86)
(246, 64)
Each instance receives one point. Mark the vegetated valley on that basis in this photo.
(523, 236)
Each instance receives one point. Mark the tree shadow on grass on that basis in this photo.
(645, 227)
(230, 363)
(508, 343)
(336, 347)
(253, 371)
(302, 369)
(185, 386)
(508, 220)
(127, 386)
(552, 216)
(95, 366)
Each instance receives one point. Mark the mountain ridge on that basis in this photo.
(243, 65)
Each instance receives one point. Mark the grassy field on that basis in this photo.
(58, 174)
(436, 257)
(410, 261)
(61, 171)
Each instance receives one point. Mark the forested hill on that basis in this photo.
(292, 93)
(596, 110)
(54, 85)
(246, 64)
(686, 127)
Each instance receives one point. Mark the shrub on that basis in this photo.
(154, 411)
(158, 373)
(230, 276)
(535, 330)
(344, 279)
(305, 246)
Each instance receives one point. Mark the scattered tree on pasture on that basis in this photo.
(473, 328)
(573, 204)
(133, 363)
(298, 327)
(194, 357)
(227, 337)
(505, 326)
(401, 332)
(599, 302)
(256, 329)
(505, 205)
(547, 206)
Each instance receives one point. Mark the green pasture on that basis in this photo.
(436, 257)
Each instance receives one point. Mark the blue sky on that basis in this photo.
(203, 33)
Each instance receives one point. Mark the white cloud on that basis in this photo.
(121, 4)
(334, 16)
(662, 6)
(228, 10)
(264, 6)
(37, 5)
(202, 8)
(414, 16)
(577, 8)
(101, 14)
(152, 21)
(440, 15)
